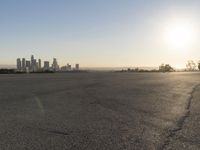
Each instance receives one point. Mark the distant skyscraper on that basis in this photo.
(77, 67)
(69, 67)
(32, 60)
(35, 65)
(19, 64)
(55, 65)
(28, 65)
(46, 65)
(23, 64)
(39, 64)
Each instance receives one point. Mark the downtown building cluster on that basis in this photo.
(35, 65)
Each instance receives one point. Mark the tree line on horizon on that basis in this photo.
(190, 66)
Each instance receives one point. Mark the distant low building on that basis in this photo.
(63, 68)
(66, 68)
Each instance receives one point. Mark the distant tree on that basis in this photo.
(136, 69)
(162, 67)
(191, 66)
(165, 68)
(199, 65)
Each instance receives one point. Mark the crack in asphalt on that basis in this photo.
(180, 122)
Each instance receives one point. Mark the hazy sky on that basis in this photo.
(99, 33)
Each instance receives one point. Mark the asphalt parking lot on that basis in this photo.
(100, 111)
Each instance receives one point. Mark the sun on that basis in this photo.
(180, 35)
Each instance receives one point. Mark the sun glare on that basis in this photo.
(180, 36)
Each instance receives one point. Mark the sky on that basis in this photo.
(101, 33)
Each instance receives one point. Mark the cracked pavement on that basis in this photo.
(100, 111)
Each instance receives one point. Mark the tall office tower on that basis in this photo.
(39, 64)
(23, 64)
(32, 60)
(34, 66)
(32, 63)
(77, 67)
(46, 65)
(19, 64)
(28, 65)
(69, 67)
(55, 65)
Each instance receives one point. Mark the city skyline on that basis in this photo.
(101, 33)
(35, 65)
